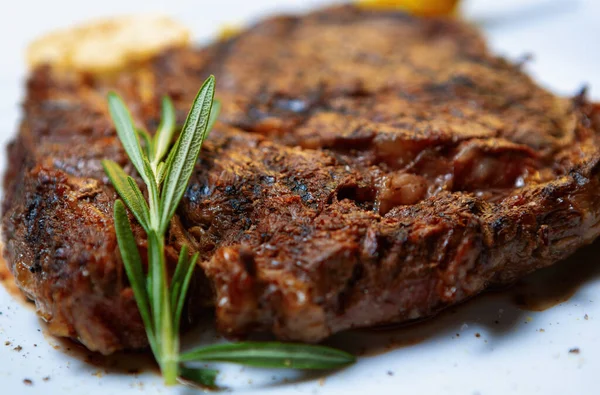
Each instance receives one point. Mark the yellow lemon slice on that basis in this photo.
(229, 30)
(416, 7)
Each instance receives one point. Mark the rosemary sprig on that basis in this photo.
(166, 170)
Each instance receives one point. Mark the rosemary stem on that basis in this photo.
(167, 340)
(170, 352)
(170, 369)
(154, 206)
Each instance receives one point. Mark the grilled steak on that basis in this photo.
(369, 168)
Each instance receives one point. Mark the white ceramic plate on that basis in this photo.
(517, 351)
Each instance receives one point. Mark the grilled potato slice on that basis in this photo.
(107, 44)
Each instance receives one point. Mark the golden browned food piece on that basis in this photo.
(416, 7)
(107, 44)
(228, 31)
(370, 167)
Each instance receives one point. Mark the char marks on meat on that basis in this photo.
(369, 168)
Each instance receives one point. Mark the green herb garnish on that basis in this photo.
(166, 170)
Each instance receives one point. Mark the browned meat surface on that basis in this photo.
(370, 168)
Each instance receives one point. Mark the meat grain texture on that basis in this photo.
(368, 168)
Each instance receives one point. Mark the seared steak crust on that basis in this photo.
(370, 167)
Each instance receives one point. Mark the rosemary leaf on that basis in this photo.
(185, 284)
(203, 377)
(164, 134)
(128, 191)
(187, 149)
(140, 198)
(272, 355)
(179, 275)
(147, 147)
(214, 114)
(127, 133)
(133, 267)
(161, 172)
(153, 195)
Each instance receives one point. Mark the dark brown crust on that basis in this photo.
(370, 168)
